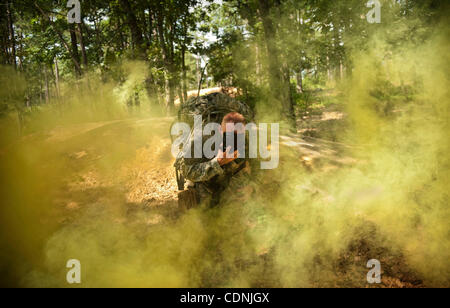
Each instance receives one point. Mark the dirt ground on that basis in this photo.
(128, 165)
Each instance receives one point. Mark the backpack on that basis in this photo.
(212, 107)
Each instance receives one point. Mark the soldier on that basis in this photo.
(210, 177)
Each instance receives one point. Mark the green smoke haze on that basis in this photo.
(97, 185)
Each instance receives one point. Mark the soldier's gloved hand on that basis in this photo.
(228, 158)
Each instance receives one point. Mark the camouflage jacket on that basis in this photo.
(209, 178)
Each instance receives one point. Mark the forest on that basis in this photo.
(89, 90)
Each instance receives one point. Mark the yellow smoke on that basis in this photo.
(64, 193)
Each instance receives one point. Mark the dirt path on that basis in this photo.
(125, 168)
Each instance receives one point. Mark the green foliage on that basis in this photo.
(12, 91)
(304, 102)
(259, 47)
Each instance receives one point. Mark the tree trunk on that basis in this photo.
(3, 41)
(289, 103)
(171, 101)
(150, 26)
(167, 91)
(20, 55)
(74, 45)
(98, 40)
(82, 45)
(280, 91)
(183, 63)
(136, 32)
(145, 32)
(299, 81)
(123, 40)
(329, 77)
(58, 93)
(40, 86)
(47, 90)
(199, 69)
(167, 61)
(180, 94)
(174, 76)
(5, 53)
(11, 34)
(258, 68)
(75, 60)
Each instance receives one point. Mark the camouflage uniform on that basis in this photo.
(210, 179)
(233, 223)
(206, 175)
